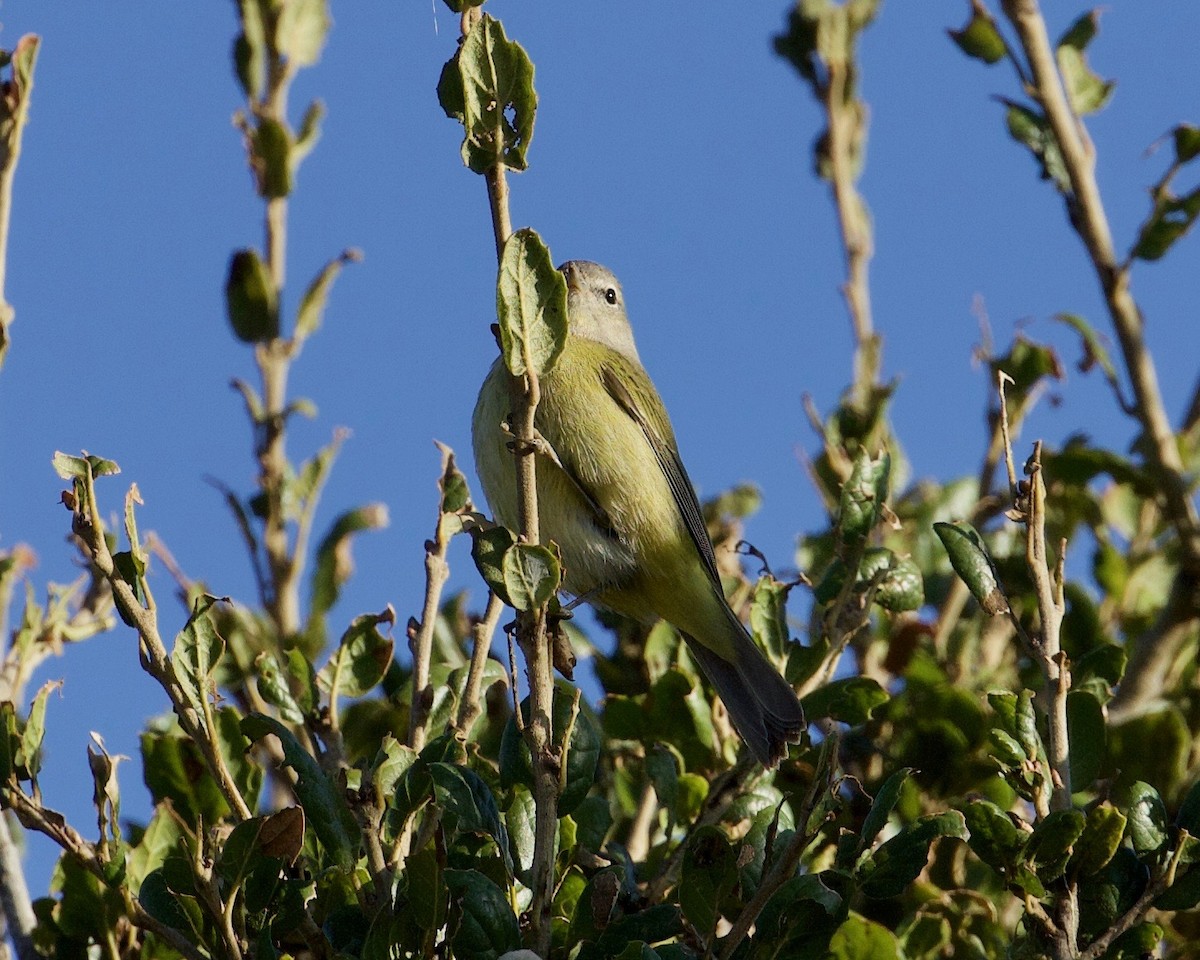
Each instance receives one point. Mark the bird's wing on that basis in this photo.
(667, 454)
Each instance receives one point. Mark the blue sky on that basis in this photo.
(673, 147)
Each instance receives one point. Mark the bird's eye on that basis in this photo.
(610, 295)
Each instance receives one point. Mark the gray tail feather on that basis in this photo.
(762, 705)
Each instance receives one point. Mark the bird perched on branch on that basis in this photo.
(614, 495)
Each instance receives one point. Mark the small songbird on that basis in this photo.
(613, 494)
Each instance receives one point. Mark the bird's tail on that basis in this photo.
(762, 704)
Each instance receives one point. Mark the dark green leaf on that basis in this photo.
(995, 839)
(334, 563)
(851, 701)
(582, 756)
(250, 49)
(324, 806)
(1053, 841)
(468, 805)
(1033, 130)
(881, 809)
(768, 615)
(427, 893)
(863, 495)
(484, 925)
(1171, 219)
(980, 38)
(488, 548)
(899, 861)
(250, 298)
(971, 561)
(1187, 142)
(1087, 737)
(709, 876)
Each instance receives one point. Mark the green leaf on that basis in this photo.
(1187, 142)
(35, 731)
(971, 561)
(531, 304)
(902, 588)
(881, 809)
(519, 821)
(1147, 827)
(709, 876)
(583, 753)
(1100, 839)
(273, 160)
(995, 838)
(899, 861)
(312, 305)
(334, 563)
(468, 805)
(532, 575)
(158, 900)
(324, 806)
(250, 298)
(301, 29)
(426, 889)
(198, 648)
(1033, 130)
(250, 49)
(488, 549)
(1171, 218)
(851, 700)
(1053, 841)
(1087, 92)
(768, 615)
(980, 38)
(484, 925)
(1087, 736)
(76, 468)
(861, 939)
(863, 495)
(803, 909)
(274, 689)
(362, 657)
(488, 86)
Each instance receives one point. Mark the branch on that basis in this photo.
(437, 572)
(155, 658)
(14, 896)
(469, 708)
(1090, 222)
(785, 867)
(14, 111)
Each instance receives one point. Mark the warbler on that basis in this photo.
(614, 495)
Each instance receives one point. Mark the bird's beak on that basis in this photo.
(571, 272)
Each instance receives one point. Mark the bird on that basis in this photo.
(614, 496)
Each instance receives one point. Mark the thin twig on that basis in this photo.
(14, 896)
(156, 659)
(437, 572)
(14, 111)
(785, 867)
(469, 708)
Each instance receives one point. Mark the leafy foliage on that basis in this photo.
(961, 787)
